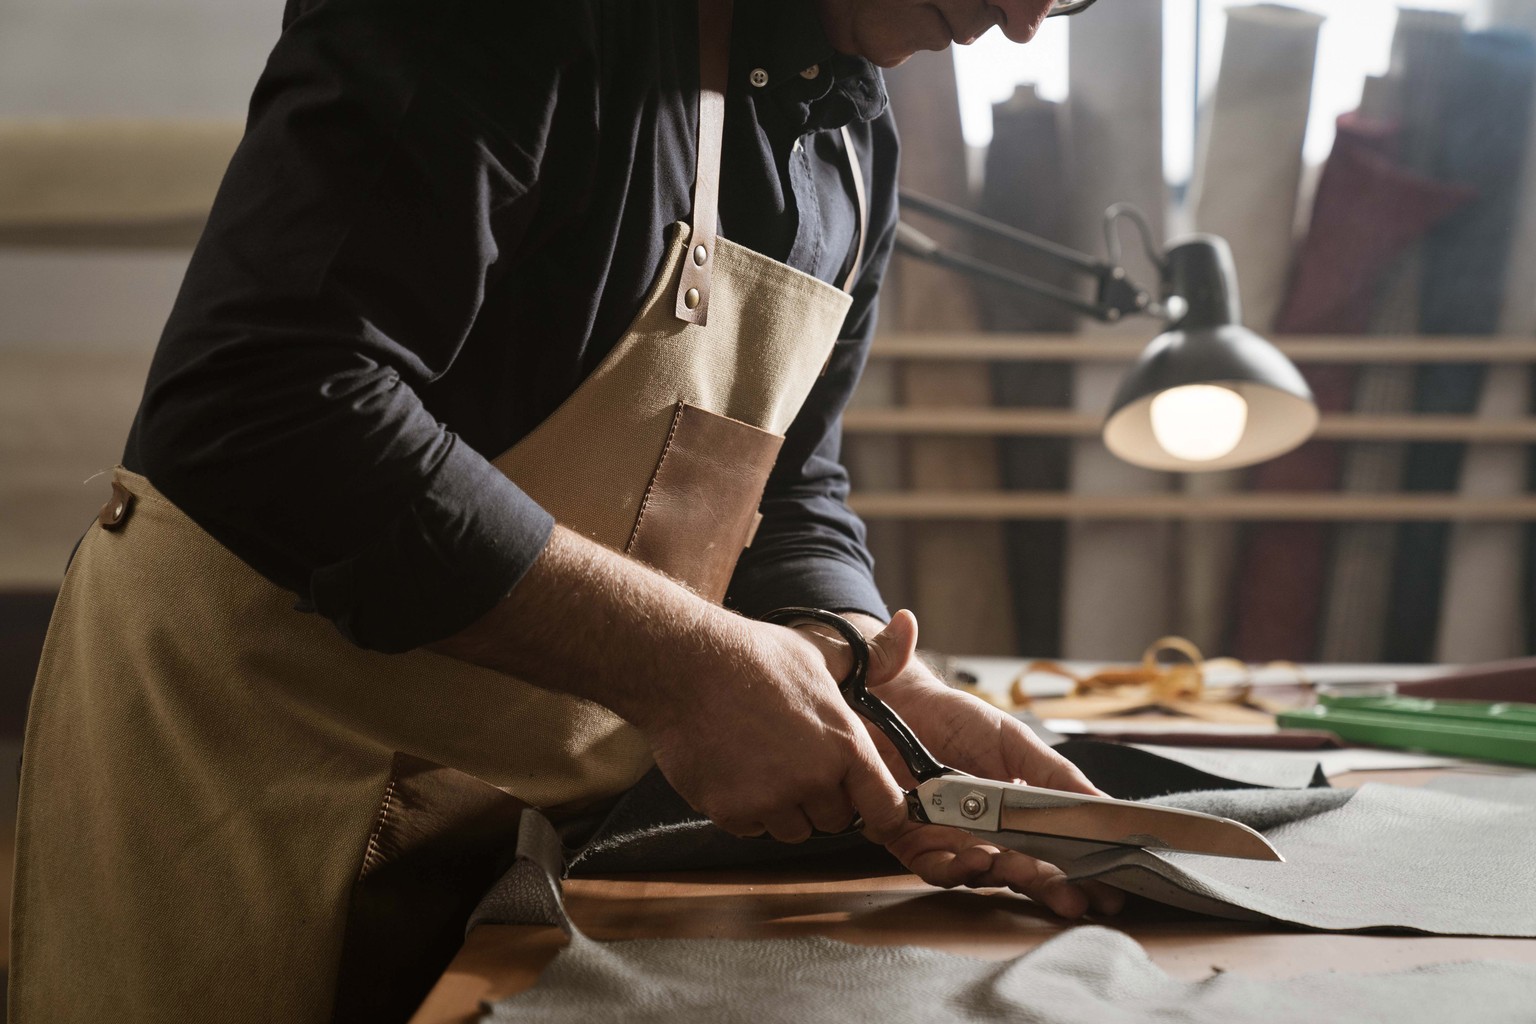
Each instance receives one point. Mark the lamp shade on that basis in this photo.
(1177, 401)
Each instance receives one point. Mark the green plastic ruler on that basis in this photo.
(1464, 728)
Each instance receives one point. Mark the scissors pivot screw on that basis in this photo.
(973, 806)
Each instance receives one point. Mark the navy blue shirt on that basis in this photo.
(443, 215)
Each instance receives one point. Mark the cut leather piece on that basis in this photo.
(1496, 680)
(441, 838)
(1389, 857)
(529, 893)
(1139, 773)
(1451, 860)
(1088, 973)
(700, 509)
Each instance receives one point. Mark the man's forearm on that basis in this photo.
(588, 621)
(744, 718)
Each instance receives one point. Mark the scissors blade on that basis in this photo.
(987, 806)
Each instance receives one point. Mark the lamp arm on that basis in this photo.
(953, 214)
(914, 243)
(1116, 296)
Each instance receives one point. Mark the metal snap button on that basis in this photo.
(691, 298)
(759, 77)
(700, 254)
(115, 510)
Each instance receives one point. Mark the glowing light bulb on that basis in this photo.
(1199, 422)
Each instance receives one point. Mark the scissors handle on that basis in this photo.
(855, 690)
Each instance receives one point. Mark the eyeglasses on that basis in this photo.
(1069, 7)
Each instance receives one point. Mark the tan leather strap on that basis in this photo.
(863, 201)
(714, 69)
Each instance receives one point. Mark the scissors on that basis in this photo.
(1051, 824)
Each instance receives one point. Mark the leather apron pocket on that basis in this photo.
(700, 508)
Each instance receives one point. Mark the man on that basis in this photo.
(451, 447)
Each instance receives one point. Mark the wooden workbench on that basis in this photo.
(872, 902)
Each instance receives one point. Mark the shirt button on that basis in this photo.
(811, 72)
(759, 77)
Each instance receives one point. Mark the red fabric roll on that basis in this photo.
(1368, 210)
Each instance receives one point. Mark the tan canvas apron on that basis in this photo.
(229, 813)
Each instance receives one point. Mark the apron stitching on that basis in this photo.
(645, 499)
(371, 852)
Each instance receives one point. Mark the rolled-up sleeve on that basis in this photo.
(810, 547)
(382, 185)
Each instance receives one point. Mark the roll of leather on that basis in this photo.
(1413, 95)
(1026, 187)
(1483, 612)
(1483, 146)
(1482, 544)
(1245, 189)
(1119, 575)
(1248, 179)
(1368, 211)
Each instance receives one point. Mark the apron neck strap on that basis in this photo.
(692, 304)
(859, 196)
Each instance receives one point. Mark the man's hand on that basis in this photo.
(774, 747)
(973, 736)
(744, 717)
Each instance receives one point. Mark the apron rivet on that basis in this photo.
(691, 298)
(115, 511)
(700, 254)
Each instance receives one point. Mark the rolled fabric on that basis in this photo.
(1248, 179)
(1412, 94)
(1482, 613)
(1485, 610)
(1245, 189)
(1119, 575)
(1367, 212)
(1026, 186)
(1484, 147)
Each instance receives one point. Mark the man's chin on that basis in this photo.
(897, 58)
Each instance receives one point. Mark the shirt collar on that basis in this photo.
(784, 41)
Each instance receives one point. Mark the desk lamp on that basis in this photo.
(1207, 393)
